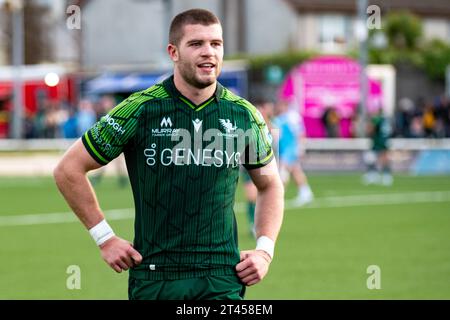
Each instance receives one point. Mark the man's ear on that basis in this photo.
(172, 50)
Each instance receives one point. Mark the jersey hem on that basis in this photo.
(148, 274)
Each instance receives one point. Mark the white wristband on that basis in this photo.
(101, 232)
(266, 244)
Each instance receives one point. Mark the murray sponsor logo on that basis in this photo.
(166, 122)
(165, 128)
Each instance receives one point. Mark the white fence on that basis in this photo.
(311, 144)
(39, 157)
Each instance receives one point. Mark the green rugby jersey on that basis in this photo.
(183, 163)
(380, 134)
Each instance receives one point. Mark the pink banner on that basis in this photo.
(329, 83)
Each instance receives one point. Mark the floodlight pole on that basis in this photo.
(17, 59)
(167, 7)
(363, 54)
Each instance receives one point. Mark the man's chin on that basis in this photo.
(205, 82)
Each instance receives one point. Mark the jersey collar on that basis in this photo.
(173, 91)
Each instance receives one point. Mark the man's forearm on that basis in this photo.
(79, 194)
(269, 210)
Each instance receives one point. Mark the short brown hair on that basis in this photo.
(193, 16)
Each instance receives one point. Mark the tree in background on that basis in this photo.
(403, 30)
(405, 44)
(436, 58)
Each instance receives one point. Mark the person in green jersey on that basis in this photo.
(183, 140)
(377, 160)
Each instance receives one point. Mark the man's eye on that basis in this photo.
(195, 44)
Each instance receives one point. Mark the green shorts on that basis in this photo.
(227, 287)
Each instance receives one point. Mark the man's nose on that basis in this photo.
(207, 50)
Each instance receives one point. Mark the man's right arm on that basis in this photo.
(71, 178)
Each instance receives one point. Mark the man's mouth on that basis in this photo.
(206, 66)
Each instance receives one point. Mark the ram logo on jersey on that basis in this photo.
(230, 129)
(227, 125)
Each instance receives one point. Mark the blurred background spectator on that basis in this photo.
(412, 39)
(330, 120)
(86, 116)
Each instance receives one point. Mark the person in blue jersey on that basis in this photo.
(291, 139)
(266, 108)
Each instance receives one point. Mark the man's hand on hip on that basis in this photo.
(253, 266)
(119, 254)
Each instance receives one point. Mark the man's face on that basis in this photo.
(199, 55)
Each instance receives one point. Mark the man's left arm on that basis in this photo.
(254, 264)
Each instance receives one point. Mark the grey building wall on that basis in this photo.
(131, 31)
(65, 42)
(122, 32)
(211, 5)
(436, 28)
(307, 30)
(135, 31)
(233, 34)
(271, 26)
(224, 9)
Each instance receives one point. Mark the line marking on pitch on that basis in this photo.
(324, 202)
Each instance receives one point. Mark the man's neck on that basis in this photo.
(195, 95)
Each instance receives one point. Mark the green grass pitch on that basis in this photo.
(323, 250)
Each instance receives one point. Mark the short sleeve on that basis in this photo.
(259, 151)
(107, 138)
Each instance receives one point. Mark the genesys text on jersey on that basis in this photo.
(199, 157)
